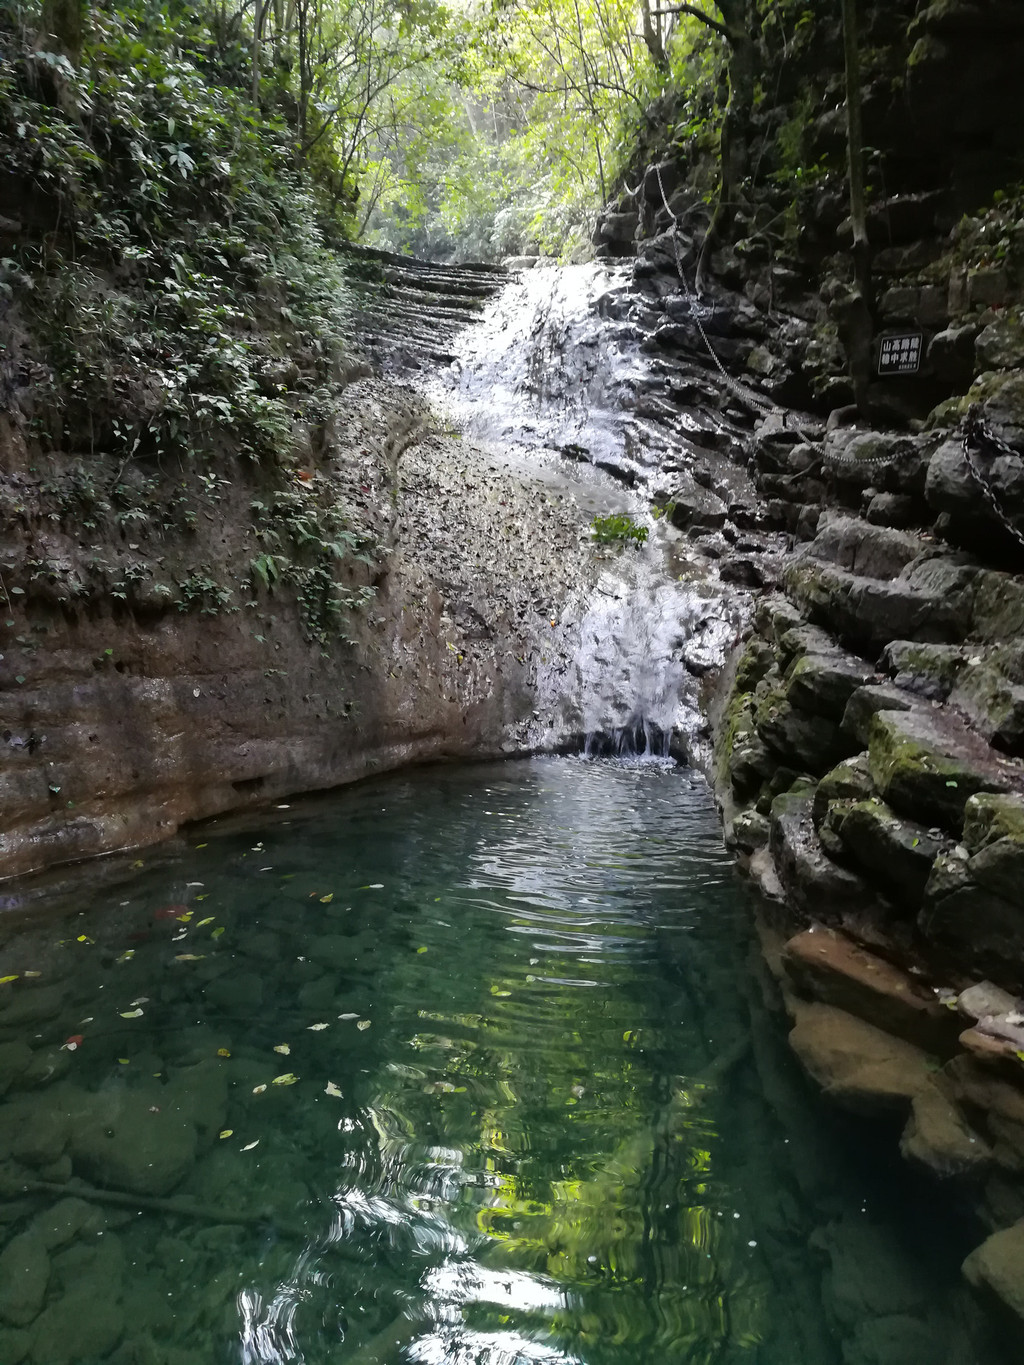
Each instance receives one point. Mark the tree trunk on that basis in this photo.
(63, 24)
(856, 320)
(741, 25)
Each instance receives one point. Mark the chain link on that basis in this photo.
(976, 432)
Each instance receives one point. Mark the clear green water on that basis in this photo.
(543, 1111)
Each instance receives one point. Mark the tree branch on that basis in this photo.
(696, 13)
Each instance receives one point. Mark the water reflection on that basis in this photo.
(465, 1065)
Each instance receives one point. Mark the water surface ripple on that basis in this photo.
(467, 1065)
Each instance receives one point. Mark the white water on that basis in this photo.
(545, 373)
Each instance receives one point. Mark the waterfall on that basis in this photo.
(555, 368)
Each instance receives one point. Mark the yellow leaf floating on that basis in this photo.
(289, 1078)
(207, 920)
(363, 1024)
(184, 919)
(217, 932)
(258, 1089)
(317, 1028)
(123, 1061)
(332, 1089)
(5, 980)
(131, 1014)
(251, 1145)
(223, 1052)
(326, 900)
(225, 1133)
(189, 957)
(127, 955)
(421, 950)
(284, 1049)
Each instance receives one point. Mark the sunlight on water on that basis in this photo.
(469, 1065)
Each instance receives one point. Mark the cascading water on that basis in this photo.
(543, 372)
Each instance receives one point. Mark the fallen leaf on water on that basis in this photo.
(332, 1089)
(223, 1052)
(204, 897)
(200, 845)
(184, 919)
(363, 1024)
(225, 1133)
(251, 1145)
(421, 950)
(217, 932)
(326, 900)
(373, 886)
(131, 1014)
(84, 938)
(5, 979)
(126, 956)
(289, 1078)
(258, 1089)
(348, 1016)
(189, 957)
(316, 1028)
(207, 920)
(31, 974)
(284, 1049)
(74, 1042)
(138, 863)
(123, 1061)
(142, 1000)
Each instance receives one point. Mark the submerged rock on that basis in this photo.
(857, 1065)
(24, 1276)
(998, 1265)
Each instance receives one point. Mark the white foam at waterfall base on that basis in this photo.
(629, 693)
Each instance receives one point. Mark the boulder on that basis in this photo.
(127, 1140)
(927, 764)
(81, 1326)
(747, 831)
(894, 853)
(66, 1221)
(824, 682)
(951, 355)
(927, 670)
(832, 969)
(1000, 346)
(993, 705)
(868, 612)
(938, 1137)
(815, 884)
(24, 1275)
(974, 927)
(863, 549)
(810, 742)
(849, 780)
(984, 1000)
(998, 1266)
(857, 1065)
(864, 705)
(994, 837)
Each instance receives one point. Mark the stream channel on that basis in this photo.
(475, 1064)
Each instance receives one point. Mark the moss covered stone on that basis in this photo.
(895, 854)
(927, 766)
(849, 780)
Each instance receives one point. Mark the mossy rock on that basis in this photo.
(849, 780)
(928, 769)
(895, 854)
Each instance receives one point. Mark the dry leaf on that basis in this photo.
(317, 1028)
(251, 1145)
(131, 1014)
(332, 1089)
(284, 1049)
(363, 1024)
(258, 1089)
(289, 1078)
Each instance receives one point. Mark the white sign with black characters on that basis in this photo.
(900, 354)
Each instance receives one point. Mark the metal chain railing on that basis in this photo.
(978, 433)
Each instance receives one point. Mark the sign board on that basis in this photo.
(900, 354)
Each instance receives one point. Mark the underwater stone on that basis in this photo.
(81, 1326)
(120, 1143)
(829, 967)
(937, 1136)
(859, 1066)
(66, 1220)
(998, 1265)
(24, 1275)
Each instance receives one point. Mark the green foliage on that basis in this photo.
(618, 529)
